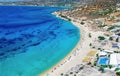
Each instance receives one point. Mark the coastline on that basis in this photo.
(71, 53)
(75, 57)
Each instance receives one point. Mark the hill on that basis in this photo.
(97, 8)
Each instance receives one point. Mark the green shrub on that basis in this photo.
(90, 44)
(75, 75)
(110, 38)
(110, 66)
(117, 40)
(101, 38)
(71, 72)
(118, 73)
(82, 23)
(90, 35)
(95, 63)
(81, 68)
(102, 69)
(110, 28)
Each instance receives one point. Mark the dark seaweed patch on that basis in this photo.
(14, 49)
(27, 35)
(3, 39)
(1, 46)
(38, 32)
(23, 45)
(71, 32)
(30, 41)
(1, 54)
(11, 42)
(20, 39)
(35, 44)
(18, 25)
(53, 34)
(8, 33)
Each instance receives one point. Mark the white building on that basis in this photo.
(109, 51)
(116, 37)
(116, 45)
(115, 59)
(105, 28)
(118, 6)
(116, 24)
(101, 53)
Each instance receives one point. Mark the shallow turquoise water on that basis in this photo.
(32, 39)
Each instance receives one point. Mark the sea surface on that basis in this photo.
(32, 40)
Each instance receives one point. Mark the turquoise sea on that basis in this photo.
(32, 40)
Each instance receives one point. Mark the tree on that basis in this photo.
(110, 28)
(102, 69)
(95, 63)
(90, 44)
(61, 74)
(108, 55)
(75, 75)
(71, 72)
(96, 55)
(118, 73)
(101, 38)
(99, 48)
(110, 38)
(117, 40)
(90, 35)
(110, 66)
(82, 23)
(117, 69)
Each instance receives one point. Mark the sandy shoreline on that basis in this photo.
(76, 55)
(68, 56)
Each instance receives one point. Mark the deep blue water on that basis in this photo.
(32, 39)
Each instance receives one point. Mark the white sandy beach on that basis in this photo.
(78, 53)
